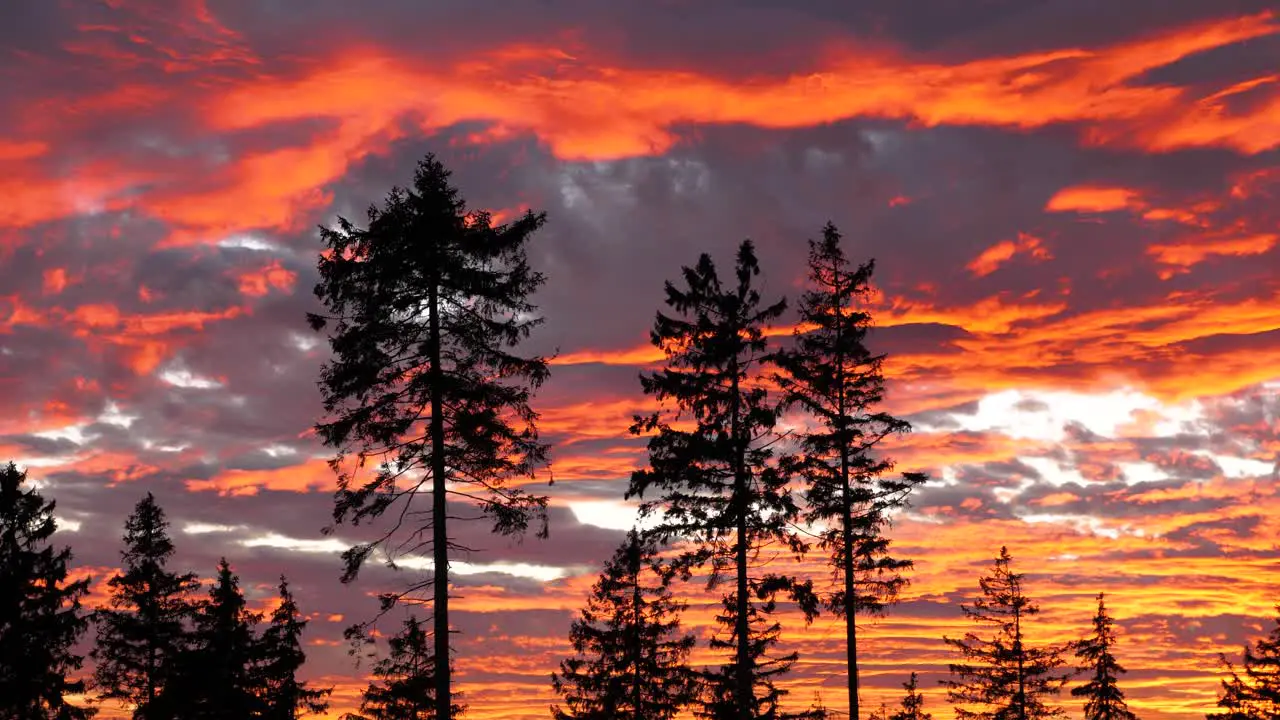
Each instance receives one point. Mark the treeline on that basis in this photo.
(766, 448)
(162, 648)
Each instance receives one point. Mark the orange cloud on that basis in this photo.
(20, 150)
(258, 282)
(1002, 252)
(1191, 251)
(1088, 198)
(304, 477)
(585, 107)
(55, 280)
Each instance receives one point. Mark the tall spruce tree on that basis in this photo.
(143, 632)
(280, 656)
(631, 660)
(1255, 694)
(712, 465)
(832, 376)
(1001, 676)
(427, 304)
(215, 679)
(404, 684)
(1103, 697)
(912, 705)
(40, 617)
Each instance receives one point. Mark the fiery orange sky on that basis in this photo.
(1072, 205)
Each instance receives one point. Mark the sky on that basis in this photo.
(1072, 205)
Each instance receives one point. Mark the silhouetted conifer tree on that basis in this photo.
(1103, 698)
(1255, 694)
(721, 489)
(216, 679)
(1001, 677)
(426, 304)
(143, 632)
(631, 661)
(832, 376)
(720, 698)
(40, 618)
(280, 656)
(404, 684)
(912, 705)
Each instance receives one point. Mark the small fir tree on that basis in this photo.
(1002, 677)
(404, 682)
(216, 678)
(143, 632)
(1103, 697)
(280, 656)
(40, 617)
(912, 705)
(631, 660)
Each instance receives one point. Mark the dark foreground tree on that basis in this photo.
(215, 678)
(426, 305)
(1255, 693)
(280, 656)
(404, 682)
(1103, 697)
(631, 660)
(832, 376)
(1001, 676)
(143, 632)
(40, 618)
(719, 487)
(912, 705)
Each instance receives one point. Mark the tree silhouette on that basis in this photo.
(40, 617)
(1255, 695)
(280, 656)
(426, 304)
(1104, 700)
(630, 662)
(404, 685)
(1001, 675)
(832, 376)
(216, 679)
(143, 632)
(721, 489)
(912, 705)
(720, 688)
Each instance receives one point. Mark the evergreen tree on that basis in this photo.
(426, 304)
(1255, 695)
(711, 458)
(143, 632)
(40, 618)
(1104, 700)
(405, 681)
(832, 376)
(912, 706)
(630, 662)
(720, 698)
(216, 679)
(1001, 676)
(280, 656)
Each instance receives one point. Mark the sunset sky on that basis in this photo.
(1074, 206)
